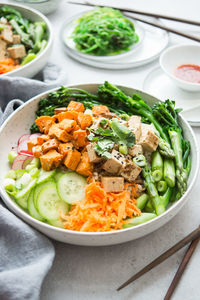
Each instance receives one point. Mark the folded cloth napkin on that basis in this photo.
(25, 254)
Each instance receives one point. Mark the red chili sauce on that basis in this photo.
(189, 73)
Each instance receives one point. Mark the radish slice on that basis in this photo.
(24, 137)
(27, 162)
(26, 152)
(22, 146)
(34, 135)
(18, 162)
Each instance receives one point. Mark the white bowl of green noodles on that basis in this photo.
(89, 39)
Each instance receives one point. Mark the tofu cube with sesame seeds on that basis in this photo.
(115, 163)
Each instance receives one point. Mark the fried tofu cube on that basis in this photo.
(85, 167)
(135, 150)
(76, 106)
(7, 35)
(50, 145)
(44, 123)
(64, 148)
(114, 164)
(16, 39)
(67, 125)
(60, 134)
(42, 139)
(37, 151)
(134, 124)
(112, 184)
(50, 160)
(93, 157)
(17, 51)
(31, 143)
(148, 139)
(72, 159)
(60, 110)
(2, 49)
(79, 137)
(130, 171)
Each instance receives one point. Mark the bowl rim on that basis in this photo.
(24, 215)
(49, 42)
(166, 52)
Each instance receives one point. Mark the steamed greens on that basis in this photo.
(104, 31)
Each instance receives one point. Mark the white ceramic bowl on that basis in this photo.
(37, 64)
(176, 56)
(44, 6)
(19, 123)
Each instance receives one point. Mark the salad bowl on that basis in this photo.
(19, 123)
(33, 67)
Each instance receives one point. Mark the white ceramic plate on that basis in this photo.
(37, 64)
(19, 123)
(69, 27)
(153, 42)
(160, 85)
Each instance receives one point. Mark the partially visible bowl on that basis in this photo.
(37, 64)
(176, 56)
(44, 6)
(19, 123)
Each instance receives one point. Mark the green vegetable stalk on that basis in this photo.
(157, 166)
(143, 218)
(151, 188)
(169, 172)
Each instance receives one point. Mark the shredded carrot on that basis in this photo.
(7, 65)
(100, 211)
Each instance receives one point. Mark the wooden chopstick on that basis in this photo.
(190, 237)
(189, 36)
(144, 13)
(181, 268)
(186, 35)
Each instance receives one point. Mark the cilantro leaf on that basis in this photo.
(124, 134)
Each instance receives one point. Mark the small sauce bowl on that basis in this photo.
(176, 56)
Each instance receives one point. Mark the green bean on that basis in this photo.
(162, 186)
(157, 175)
(143, 218)
(29, 57)
(157, 161)
(167, 196)
(141, 201)
(149, 207)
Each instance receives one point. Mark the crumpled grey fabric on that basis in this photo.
(25, 255)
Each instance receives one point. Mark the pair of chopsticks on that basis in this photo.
(127, 12)
(194, 238)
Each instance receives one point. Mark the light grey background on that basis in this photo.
(92, 273)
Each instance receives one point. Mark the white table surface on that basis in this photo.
(94, 273)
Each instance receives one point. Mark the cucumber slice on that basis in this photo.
(49, 204)
(45, 175)
(58, 174)
(24, 192)
(37, 190)
(56, 223)
(71, 187)
(23, 201)
(31, 207)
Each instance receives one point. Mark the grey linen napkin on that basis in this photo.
(25, 255)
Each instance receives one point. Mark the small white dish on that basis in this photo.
(176, 56)
(19, 123)
(153, 43)
(161, 86)
(33, 67)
